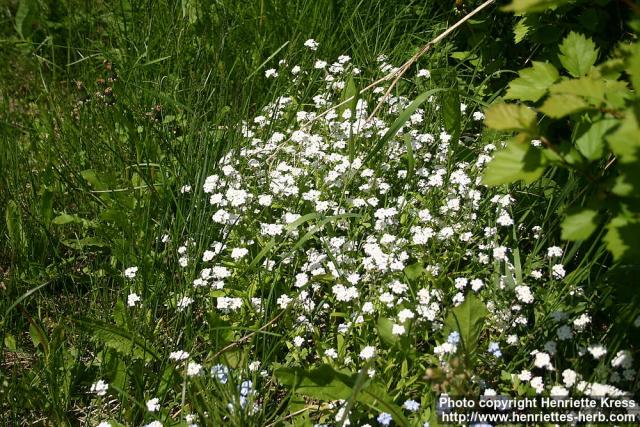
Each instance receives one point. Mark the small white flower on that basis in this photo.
(311, 44)
(597, 350)
(554, 251)
(537, 384)
(524, 375)
(239, 253)
(398, 329)
(153, 404)
(331, 353)
(178, 355)
(271, 73)
(411, 405)
(367, 353)
(558, 271)
(569, 377)
(132, 299)
(194, 369)
(542, 360)
(131, 272)
(424, 73)
(477, 116)
(99, 387)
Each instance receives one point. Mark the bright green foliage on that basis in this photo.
(510, 117)
(468, 319)
(578, 54)
(604, 145)
(515, 162)
(533, 5)
(579, 225)
(533, 82)
(558, 106)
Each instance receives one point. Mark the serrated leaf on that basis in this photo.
(558, 106)
(591, 143)
(584, 87)
(510, 117)
(515, 162)
(633, 66)
(625, 140)
(533, 82)
(622, 237)
(579, 225)
(577, 54)
(627, 183)
(530, 6)
(520, 30)
(468, 319)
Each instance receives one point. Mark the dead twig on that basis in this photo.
(404, 67)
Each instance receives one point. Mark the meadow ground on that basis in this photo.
(204, 223)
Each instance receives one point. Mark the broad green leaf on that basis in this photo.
(591, 143)
(323, 382)
(625, 140)
(65, 218)
(627, 183)
(13, 220)
(580, 224)
(510, 117)
(119, 339)
(530, 6)
(92, 178)
(584, 87)
(622, 237)
(533, 82)
(515, 162)
(326, 383)
(557, 106)
(27, 10)
(616, 94)
(633, 66)
(46, 206)
(38, 337)
(350, 90)
(577, 54)
(468, 319)
(80, 244)
(10, 342)
(451, 112)
(385, 327)
(414, 271)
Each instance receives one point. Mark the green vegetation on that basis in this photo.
(204, 223)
